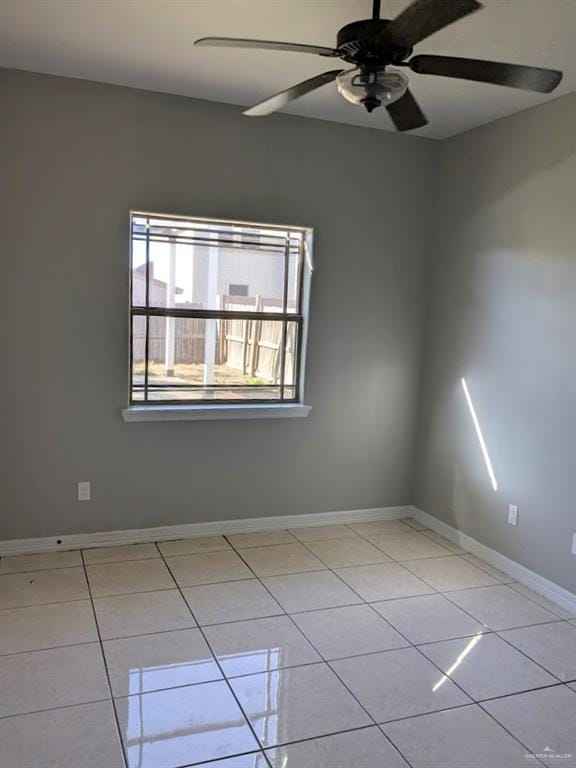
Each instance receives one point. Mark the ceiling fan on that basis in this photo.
(372, 45)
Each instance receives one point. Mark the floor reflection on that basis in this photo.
(264, 709)
(183, 725)
(154, 677)
(250, 662)
(200, 721)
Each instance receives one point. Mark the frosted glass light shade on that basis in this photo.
(372, 87)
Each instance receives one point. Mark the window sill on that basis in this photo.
(214, 412)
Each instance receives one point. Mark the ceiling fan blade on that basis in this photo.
(270, 45)
(498, 73)
(406, 114)
(279, 100)
(424, 17)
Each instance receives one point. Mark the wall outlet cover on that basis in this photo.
(513, 514)
(84, 491)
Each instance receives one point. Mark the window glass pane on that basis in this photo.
(138, 344)
(192, 266)
(222, 267)
(294, 278)
(291, 357)
(214, 394)
(224, 359)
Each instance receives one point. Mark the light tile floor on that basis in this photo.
(377, 645)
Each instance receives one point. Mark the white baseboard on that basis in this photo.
(189, 530)
(554, 592)
(549, 589)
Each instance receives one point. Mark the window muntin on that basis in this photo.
(191, 340)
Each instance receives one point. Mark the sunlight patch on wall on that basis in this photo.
(480, 436)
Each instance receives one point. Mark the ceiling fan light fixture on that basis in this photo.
(372, 87)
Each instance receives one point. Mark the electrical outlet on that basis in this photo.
(84, 491)
(574, 544)
(513, 514)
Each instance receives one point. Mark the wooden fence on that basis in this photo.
(249, 346)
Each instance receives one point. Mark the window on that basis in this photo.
(218, 311)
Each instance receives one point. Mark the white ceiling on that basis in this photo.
(148, 44)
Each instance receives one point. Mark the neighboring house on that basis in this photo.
(157, 287)
(223, 271)
(239, 273)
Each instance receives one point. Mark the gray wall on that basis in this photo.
(76, 157)
(502, 313)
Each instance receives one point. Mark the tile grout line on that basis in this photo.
(411, 645)
(448, 592)
(522, 693)
(330, 667)
(496, 632)
(405, 561)
(363, 601)
(559, 618)
(464, 706)
(75, 565)
(528, 750)
(531, 626)
(516, 693)
(37, 570)
(124, 752)
(436, 591)
(553, 610)
(556, 616)
(217, 662)
(327, 568)
(222, 760)
(49, 648)
(281, 614)
(235, 581)
(320, 661)
(475, 702)
(487, 631)
(427, 531)
(42, 605)
(485, 566)
(445, 595)
(78, 600)
(502, 583)
(325, 661)
(283, 744)
(55, 709)
(210, 583)
(491, 716)
(356, 535)
(423, 531)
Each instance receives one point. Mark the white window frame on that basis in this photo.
(244, 410)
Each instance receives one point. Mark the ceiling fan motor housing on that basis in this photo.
(364, 42)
